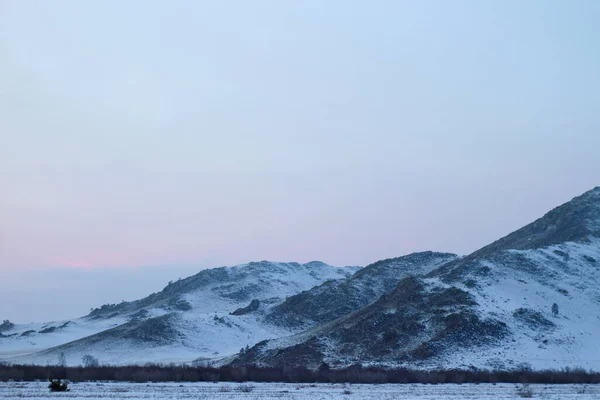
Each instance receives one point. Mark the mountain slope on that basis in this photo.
(227, 286)
(186, 320)
(493, 308)
(334, 299)
(575, 221)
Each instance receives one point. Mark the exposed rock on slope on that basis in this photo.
(415, 321)
(334, 299)
(253, 306)
(6, 325)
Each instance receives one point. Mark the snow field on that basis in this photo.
(225, 390)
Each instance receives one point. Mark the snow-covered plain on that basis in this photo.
(206, 390)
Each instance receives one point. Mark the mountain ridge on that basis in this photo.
(510, 297)
(529, 299)
(190, 310)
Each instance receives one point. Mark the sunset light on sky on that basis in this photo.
(216, 133)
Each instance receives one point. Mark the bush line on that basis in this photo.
(296, 374)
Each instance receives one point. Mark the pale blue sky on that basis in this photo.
(208, 133)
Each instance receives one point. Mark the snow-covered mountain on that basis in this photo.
(187, 320)
(529, 299)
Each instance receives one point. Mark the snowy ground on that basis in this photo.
(122, 390)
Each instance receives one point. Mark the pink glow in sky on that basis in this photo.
(204, 134)
(71, 263)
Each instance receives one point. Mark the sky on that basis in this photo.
(144, 140)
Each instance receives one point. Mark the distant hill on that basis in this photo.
(189, 319)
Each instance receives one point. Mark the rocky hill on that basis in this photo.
(336, 298)
(529, 299)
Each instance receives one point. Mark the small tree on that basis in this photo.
(62, 360)
(57, 385)
(555, 309)
(89, 361)
(324, 367)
